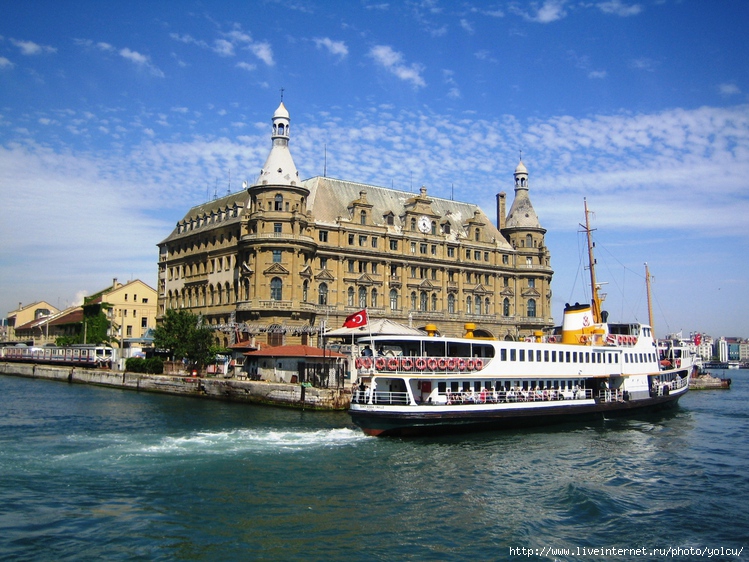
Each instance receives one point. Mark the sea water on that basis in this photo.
(93, 473)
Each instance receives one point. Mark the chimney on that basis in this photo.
(501, 210)
(114, 283)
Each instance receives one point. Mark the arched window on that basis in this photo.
(350, 296)
(413, 224)
(478, 304)
(486, 306)
(278, 202)
(363, 217)
(373, 302)
(393, 299)
(423, 299)
(434, 227)
(506, 307)
(362, 297)
(531, 308)
(478, 234)
(413, 300)
(469, 305)
(434, 302)
(305, 291)
(322, 294)
(276, 289)
(528, 241)
(446, 228)
(451, 303)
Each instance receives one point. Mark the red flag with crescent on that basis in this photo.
(356, 320)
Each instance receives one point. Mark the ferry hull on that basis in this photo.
(404, 422)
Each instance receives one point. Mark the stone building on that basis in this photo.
(286, 258)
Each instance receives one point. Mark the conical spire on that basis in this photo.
(279, 168)
(522, 213)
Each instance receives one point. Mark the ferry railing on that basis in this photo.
(510, 396)
(379, 397)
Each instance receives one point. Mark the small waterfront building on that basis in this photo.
(297, 364)
(288, 258)
(30, 317)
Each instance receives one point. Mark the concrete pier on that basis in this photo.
(252, 392)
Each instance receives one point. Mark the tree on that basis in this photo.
(183, 335)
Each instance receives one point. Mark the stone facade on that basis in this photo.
(286, 257)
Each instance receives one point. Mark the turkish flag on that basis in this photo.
(356, 320)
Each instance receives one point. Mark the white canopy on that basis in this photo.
(379, 326)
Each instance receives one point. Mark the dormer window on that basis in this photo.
(363, 217)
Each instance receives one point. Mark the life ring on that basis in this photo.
(611, 339)
(407, 363)
(392, 364)
(442, 363)
(583, 339)
(620, 340)
(551, 339)
(451, 363)
(367, 362)
(469, 365)
(461, 364)
(358, 362)
(478, 364)
(432, 364)
(380, 363)
(420, 364)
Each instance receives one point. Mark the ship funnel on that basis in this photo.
(578, 325)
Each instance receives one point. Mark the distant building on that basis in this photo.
(24, 315)
(130, 309)
(285, 258)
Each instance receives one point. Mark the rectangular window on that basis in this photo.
(434, 250)
(322, 236)
(277, 228)
(413, 247)
(393, 245)
(554, 356)
(323, 263)
(422, 248)
(513, 356)
(503, 354)
(450, 252)
(522, 355)
(374, 241)
(546, 355)
(350, 239)
(276, 256)
(144, 322)
(362, 240)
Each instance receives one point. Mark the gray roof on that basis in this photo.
(330, 200)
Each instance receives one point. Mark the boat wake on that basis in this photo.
(231, 443)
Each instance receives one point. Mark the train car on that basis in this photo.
(94, 356)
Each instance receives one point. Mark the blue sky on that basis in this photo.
(117, 117)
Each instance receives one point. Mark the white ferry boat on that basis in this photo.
(431, 384)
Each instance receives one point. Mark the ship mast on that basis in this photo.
(596, 298)
(650, 302)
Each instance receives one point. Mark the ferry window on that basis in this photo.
(626, 357)
(546, 355)
(503, 354)
(454, 386)
(538, 355)
(642, 360)
(530, 355)
(587, 357)
(477, 386)
(466, 386)
(574, 356)
(554, 356)
(513, 356)
(522, 355)
(525, 385)
(441, 387)
(568, 356)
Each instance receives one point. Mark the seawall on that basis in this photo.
(251, 392)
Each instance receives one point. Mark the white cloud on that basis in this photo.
(5, 63)
(31, 48)
(140, 60)
(392, 61)
(597, 74)
(337, 48)
(263, 51)
(617, 8)
(246, 66)
(467, 26)
(548, 12)
(729, 89)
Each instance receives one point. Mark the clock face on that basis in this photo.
(424, 224)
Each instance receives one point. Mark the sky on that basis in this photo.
(117, 117)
